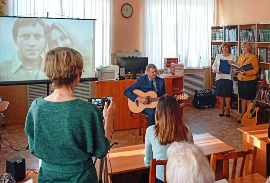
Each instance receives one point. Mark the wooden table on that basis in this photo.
(125, 160)
(131, 158)
(252, 178)
(258, 136)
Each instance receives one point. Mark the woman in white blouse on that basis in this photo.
(224, 74)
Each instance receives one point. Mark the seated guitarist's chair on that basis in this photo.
(152, 174)
(234, 156)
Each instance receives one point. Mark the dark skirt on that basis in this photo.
(224, 88)
(247, 89)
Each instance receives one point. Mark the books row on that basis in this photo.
(264, 54)
(247, 35)
(263, 35)
(231, 34)
(217, 35)
(234, 50)
(216, 50)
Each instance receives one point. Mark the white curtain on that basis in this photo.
(178, 29)
(83, 9)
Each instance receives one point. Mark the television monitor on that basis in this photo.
(133, 65)
(24, 41)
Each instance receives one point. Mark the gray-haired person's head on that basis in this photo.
(150, 66)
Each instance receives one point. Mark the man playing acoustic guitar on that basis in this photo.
(146, 83)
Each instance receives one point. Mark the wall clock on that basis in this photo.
(126, 10)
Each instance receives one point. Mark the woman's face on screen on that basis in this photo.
(59, 39)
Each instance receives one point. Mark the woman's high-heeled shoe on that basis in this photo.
(221, 115)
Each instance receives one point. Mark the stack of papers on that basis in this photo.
(179, 69)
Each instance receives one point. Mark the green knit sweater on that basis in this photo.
(65, 136)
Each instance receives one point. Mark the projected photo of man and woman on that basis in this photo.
(24, 42)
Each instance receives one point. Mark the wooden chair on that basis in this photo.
(143, 125)
(152, 173)
(3, 108)
(233, 155)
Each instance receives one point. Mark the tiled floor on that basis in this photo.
(199, 120)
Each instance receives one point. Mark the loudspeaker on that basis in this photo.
(16, 166)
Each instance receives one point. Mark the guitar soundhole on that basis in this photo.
(148, 100)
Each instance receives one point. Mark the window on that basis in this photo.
(180, 29)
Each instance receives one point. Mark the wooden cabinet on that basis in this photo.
(174, 85)
(17, 96)
(258, 136)
(123, 119)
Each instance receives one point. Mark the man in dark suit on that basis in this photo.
(148, 82)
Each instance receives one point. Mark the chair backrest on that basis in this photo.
(233, 156)
(152, 174)
(3, 105)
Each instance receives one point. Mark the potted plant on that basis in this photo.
(3, 2)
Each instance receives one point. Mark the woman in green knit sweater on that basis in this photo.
(65, 132)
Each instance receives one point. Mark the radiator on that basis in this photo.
(82, 91)
(194, 81)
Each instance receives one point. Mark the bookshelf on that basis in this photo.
(256, 34)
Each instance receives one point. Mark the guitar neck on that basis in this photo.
(155, 99)
(256, 98)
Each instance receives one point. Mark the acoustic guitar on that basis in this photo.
(250, 117)
(138, 107)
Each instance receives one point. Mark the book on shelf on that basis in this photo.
(215, 50)
(247, 35)
(224, 67)
(217, 35)
(264, 35)
(263, 54)
(231, 33)
(267, 75)
(268, 55)
(234, 50)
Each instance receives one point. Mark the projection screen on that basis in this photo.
(24, 41)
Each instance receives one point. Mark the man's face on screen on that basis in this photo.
(31, 42)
